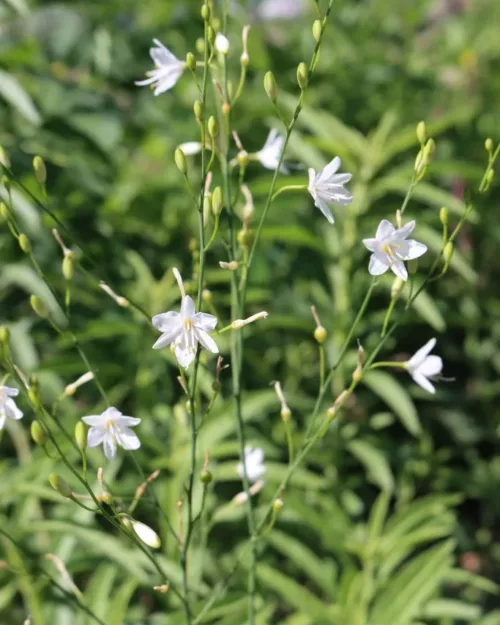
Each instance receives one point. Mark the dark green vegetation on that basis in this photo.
(341, 552)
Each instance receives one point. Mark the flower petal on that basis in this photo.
(109, 445)
(3, 418)
(185, 356)
(128, 439)
(111, 413)
(190, 148)
(94, 420)
(399, 269)
(378, 265)
(165, 322)
(323, 207)
(167, 338)
(125, 421)
(95, 436)
(161, 55)
(11, 391)
(385, 229)
(405, 231)
(312, 181)
(206, 340)
(419, 356)
(167, 80)
(330, 169)
(341, 179)
(205, 321)
(187, 307)
(415, 249)
(12, 411)
(422, 381)
(431, 366)
(370, 244)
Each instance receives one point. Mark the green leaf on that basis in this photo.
(118, 606)
(379, 471)
(451, 609)
(13, 93)
(396, 397)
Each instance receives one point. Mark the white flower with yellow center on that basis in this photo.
(110, 429)
(168, 69)
(8, 406)
(423, 366)
(327, 187)
(391, 247)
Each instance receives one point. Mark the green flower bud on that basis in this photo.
(443, 215)
(278, 503)
(180, 161)
(421, 133)
(68, 266)
(40, 170)
(4, 211)
(4, 342)
(242, 158)
(4, 158)
(39, 306)
(302, 75)
(205, 13)
(24, 243)
(80, 436)
(206, 476)
(217, 202)
(4, 334)
(316, 30)
(488, 145)
(245, 237)
(34, 390)
(397, 287)
(206, 296)
(212, 126)
(190, 61)
(449, 248)
(200, 46)
(38, 433)
(198, 110)
(286, 414)
(211, 35)
(320, 334)
(60, 485)
(489, 177)
(270, 86)
(429, 149)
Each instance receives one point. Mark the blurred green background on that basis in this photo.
(67, 93)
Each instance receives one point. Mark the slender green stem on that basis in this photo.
(388, 314)
(287, 188)
(387, 363)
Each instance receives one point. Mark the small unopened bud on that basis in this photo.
(83, 379)
(449, 248)
(232, 265)
(286, 414)
(278, 504)
(163, 589)
(413, 266)
(68, 266)
(222, 44)
(34, 390)
(148, 536)
(244, 58)
(211, 35)
(80, 436)
(443, 215)
(212, 126)
(242, 158)
(4, 158)
(245, 237)
(4, 211)
(60, 485)
(190, 61)
(270, 86)
(206, 476)
(226, 108)
(421, 133)
(316, 30)
(38, 433)
(205, 13)
(24, 243)
(331, 413)
(4, 334)
(320, 334)
(39, 306)
(200, 45)
(105, 497)
(429, 150)
(180, 161)
(489, 177)
(4, 342)
(40, 170)
(488, 144)
(397, 287)
(217, 202)
(240, 323)
(302, 75)
(420, 164)
(206, 296)
(199, 110)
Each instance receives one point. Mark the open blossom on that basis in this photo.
(327, 187)
(391, 247)
(8, 406)
(168, 69)
(185, 330)
(270, 154)
(111, 429)
(254, 458)
(423, 366)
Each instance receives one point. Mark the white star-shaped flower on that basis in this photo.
(327, 187)
(185, 330)
(270, 154)
(421, 366)
(8, 406)
(110, 429)
(254, 458)
(168, 69)
(391, 247)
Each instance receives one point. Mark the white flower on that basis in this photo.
(327, 187)
(185, 330)
(254, 458)
(110, 429)
(168, 69)
(390, 248)
(8, 406)
(146, 534)
(421, 366)
(270, 154)
(190, 147)
(222, 44)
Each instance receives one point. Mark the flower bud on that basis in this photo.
(397, 287)
(270, 86)
(412, 266)
(242, 158)
(38, 433)
(211, 35)
(449, 248)
(245, 237)
(420, 164)
(443, 215)
(222, 44)
(206, 477)
(217, 202)
(60, 485)
(212, 126)
(4, 334)
(198, 110)
(80, 436)
(190, 61)
(180, 161)
(206, 296)
(286, 414)
(4, 158)
(68, 266)
(316, 30)
(39, 306)
(24, 243)
(40, 170)
(421, 133)
(488, 144)
(429, 149)
(320, 334)
(489, 177)
(4, 211)
(205, 13)
(148, 536)
(226, 108)
(200, 45)
(302, 75)
(278, 504)
(4, 342)
(34, 390)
